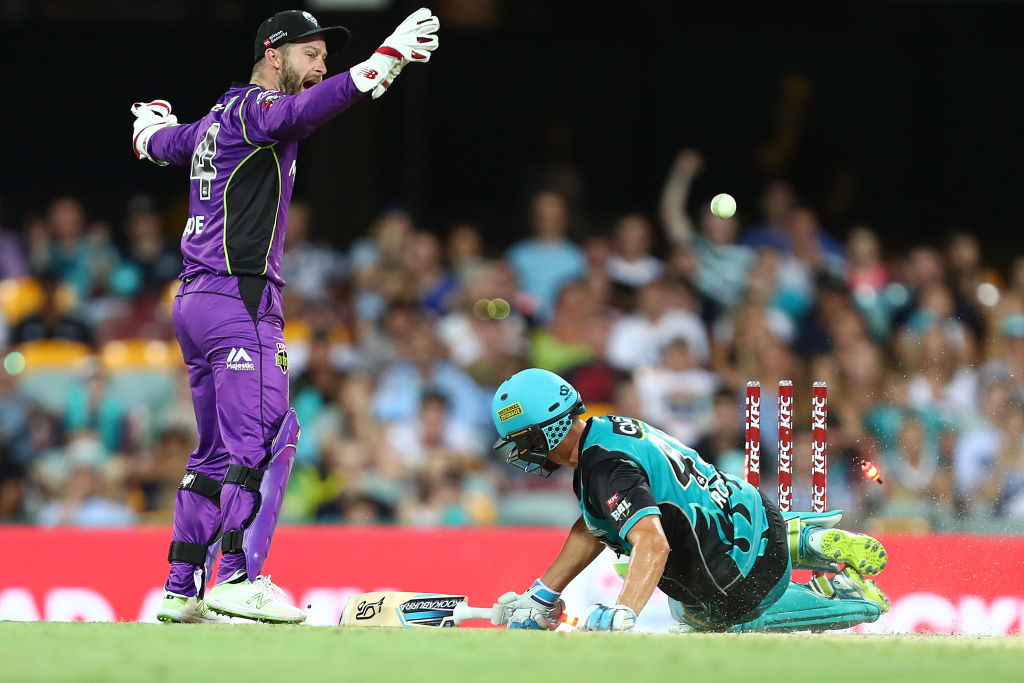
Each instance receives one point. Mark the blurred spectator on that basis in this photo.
(663, 312)
(90, 406)
(13, 262)
(15, 414)
(84, 499)
(563, 343)
(63, 247)
(676, 394)
(12, 483)
(152, 478)
(596, 379)
(811, 245)
(52, 321)
(777, 200)
(464, 250)
(631, 263)
(421, 366)
(722, 265)
(481, 336)
(978, 449)
(438, 502)
(376, 260)
(150, 261)
(723, 445)
(432, 441)
(310, 268)
(433, 285)
(544, 262)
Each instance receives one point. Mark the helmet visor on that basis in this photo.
(527, 449)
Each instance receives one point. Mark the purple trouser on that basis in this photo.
(230, 332)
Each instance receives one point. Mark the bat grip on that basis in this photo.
(463, 612)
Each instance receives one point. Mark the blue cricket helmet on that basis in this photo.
(533, 411)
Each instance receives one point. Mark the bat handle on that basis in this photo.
(463, 612)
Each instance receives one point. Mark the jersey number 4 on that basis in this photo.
(202, 161)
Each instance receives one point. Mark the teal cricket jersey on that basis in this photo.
(715, 523)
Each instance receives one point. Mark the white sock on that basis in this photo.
(814, 541)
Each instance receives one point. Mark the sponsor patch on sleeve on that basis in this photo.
(508, 412)
(613, 500)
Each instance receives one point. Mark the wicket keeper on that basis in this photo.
(713, 543)
(228, 315)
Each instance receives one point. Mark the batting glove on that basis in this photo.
(149, 118)
(539, 608)
(414, 40)
(604, 618)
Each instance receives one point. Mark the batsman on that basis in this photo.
(714, 544)
(228, 315)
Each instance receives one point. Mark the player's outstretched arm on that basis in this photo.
(646, 565)
(540, 606)
(295, 117)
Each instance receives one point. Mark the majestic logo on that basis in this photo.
(613, 500)
(281, 358)
(239, 359)
(508, 412)
(368, 610)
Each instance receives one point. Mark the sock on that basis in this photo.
(814, 541)
(238, 577)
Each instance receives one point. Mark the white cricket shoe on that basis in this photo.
(259, 600)
(180, 610)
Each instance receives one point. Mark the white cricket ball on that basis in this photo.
(723, 205)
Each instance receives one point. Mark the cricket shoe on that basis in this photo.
(175, 609)
(860, 551)
(850, 584)
(259, 600)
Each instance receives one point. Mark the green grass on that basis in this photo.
(145, 652)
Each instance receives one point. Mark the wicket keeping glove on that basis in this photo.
(149, 118)
(539, 608)
(414, 40)
(605, 618)
(389, 79)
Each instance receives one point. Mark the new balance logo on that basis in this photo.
(239, 359)
(259, 600)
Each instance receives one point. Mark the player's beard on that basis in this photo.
(289, 80)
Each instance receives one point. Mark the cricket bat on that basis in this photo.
(406, 610)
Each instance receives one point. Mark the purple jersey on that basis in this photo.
(242, 156)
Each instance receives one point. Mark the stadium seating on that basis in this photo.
(52, 367)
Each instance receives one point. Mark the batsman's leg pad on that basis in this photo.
(257, 536)
(196, 528)
(800, 609)
(800, 553)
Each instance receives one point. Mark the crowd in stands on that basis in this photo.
(397, 341)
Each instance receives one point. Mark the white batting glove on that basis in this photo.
(414, 40)
(539, 608)
(389, 79)
(605, 618)
(149, 118)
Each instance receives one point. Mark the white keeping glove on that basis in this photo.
(605, 618)
(389, 79)
(413, 41)
(539, 608)
(149, 118)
